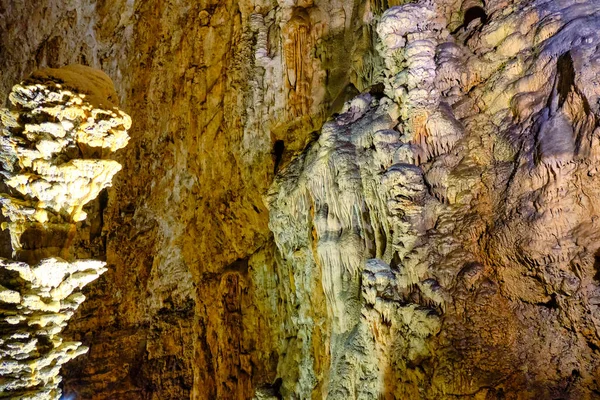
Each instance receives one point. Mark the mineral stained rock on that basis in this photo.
(59, 120)
(335, 198)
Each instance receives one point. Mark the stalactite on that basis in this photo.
(298, 42)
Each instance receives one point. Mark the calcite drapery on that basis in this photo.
(454, 218)
(61, 122)
(195, 306)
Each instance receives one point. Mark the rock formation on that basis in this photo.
(332, 198)
(452, 218)
(59, 121)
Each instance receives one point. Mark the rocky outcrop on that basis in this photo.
(60, 123)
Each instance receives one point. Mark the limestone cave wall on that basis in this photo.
(335, 199)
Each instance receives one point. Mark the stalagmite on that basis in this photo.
(60, 125)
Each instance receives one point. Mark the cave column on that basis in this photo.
(59, 127)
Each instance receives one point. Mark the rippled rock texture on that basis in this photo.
(340, 199)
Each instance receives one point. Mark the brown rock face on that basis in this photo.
(341, 199)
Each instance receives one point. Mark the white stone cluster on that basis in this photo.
(363, 186)
(415, 45)
(36, 303)
(52, 140)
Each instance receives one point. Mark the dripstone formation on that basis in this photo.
(341, 199)
(453, 218)
(59, 126)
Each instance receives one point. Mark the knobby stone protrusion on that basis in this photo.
(451, 223)
(59, 126)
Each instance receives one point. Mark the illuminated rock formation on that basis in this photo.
(452, 220)
(60, 123)
(432, 230)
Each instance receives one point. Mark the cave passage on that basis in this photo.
(474, 13)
